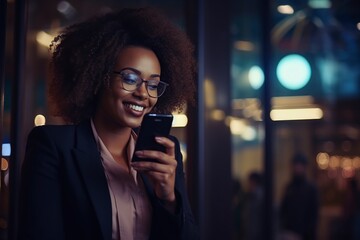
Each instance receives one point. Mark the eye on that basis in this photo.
(130, 78)
(153, 85)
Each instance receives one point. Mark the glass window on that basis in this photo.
(314, 81)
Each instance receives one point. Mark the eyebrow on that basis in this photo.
(138, 72)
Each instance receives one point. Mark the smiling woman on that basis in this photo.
(126, 107)
(78, 181)
(85, 55)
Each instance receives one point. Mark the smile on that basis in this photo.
(135, 107)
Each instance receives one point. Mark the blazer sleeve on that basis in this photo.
(40, 192)
(182, 224)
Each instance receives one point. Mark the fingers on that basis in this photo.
(146, 166)
(161, 171)
(169, 145)
(157, 155)
(161, 175)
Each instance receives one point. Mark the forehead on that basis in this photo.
(140, 58)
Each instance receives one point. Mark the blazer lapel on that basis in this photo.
(88, 159)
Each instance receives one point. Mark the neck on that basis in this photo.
(114, 138)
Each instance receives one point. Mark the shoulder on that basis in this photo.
(64, 134)
(52, 131)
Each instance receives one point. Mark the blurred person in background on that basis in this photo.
(252, 210)
(299, 206)
(237, 204)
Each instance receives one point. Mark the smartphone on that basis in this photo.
(153, 125)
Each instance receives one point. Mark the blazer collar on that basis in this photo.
(88, 159)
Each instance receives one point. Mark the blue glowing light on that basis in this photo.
(256, 77)
(293, 71)
(6, 149)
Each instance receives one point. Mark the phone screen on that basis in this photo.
(152, 125)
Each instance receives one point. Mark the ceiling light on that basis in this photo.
(285, 9)
(180, 120)
(296, 114)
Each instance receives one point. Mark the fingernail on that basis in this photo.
(158, 139)
(139, 153)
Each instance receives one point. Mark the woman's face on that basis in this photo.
(124, 108)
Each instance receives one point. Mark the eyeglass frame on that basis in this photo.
(140, 83)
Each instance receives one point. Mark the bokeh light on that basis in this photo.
(256, 77)
(39, 120)
(293, 71)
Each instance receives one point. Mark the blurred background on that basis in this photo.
(272, 146)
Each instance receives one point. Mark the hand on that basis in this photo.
(161, 172)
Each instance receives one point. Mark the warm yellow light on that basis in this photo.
(217, 115)
(238, 104)
(296, 114)
(180, 120)
(237, 126)
(241, 128)
(39, 120)
(210, 93)
(323, 160)
(323, 167)
(292, 101)
(244, 46)
(249, 133)
(346, 163)
(285, 9)
(334, 162)
(44, 38)
(4, 164)
(356, 162)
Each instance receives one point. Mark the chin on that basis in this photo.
(134, 124)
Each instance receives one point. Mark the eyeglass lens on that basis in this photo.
(131, 81)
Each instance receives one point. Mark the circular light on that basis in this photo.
(256, 77)
(39, 120)
(4, 164)
(293, 71)
(249, 134)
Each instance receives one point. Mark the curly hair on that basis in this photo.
(84, 56)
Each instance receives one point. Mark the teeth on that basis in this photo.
(136, 107)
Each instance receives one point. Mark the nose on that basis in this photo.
(141, 91)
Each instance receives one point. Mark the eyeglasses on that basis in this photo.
(131, 81)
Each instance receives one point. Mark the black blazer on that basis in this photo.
(64, 192)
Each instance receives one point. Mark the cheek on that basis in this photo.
(118, 94)
(112, 100)
(152, 103)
